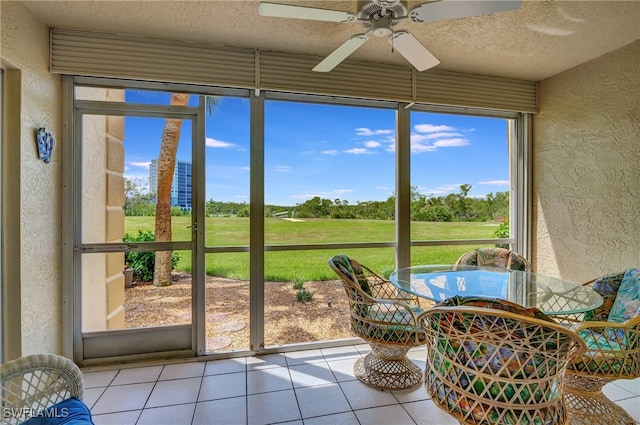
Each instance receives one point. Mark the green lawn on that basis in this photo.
(312, 264)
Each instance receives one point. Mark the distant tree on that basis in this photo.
(463, 204)
(418, 203)
(314, 208)
(138, 201)
(498, 205)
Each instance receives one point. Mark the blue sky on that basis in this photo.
(334, 152)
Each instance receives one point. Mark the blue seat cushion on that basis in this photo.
(627, 303)
(71, 411)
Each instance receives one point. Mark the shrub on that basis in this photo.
(303, 295)
(143, 262)
(502, 232)
(298, 283)
(437, 213)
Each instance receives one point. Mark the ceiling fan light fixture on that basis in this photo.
(381, 27)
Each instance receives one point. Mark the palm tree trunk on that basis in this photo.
(166, 167)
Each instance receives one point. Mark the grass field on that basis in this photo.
(311, 265)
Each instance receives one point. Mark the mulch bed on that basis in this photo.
(287, 321)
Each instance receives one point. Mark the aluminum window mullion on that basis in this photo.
(403, 186)
(334, 246)
(329, 100)
(94, 248)
(521, 231)
(73, 216)
(198, 260)
(101, 82)
(443, 242)
(256, 224)
(139, 110)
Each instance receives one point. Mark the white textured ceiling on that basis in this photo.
(539, 40)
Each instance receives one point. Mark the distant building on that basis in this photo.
(181, 187)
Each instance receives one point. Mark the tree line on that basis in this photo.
(452, 207)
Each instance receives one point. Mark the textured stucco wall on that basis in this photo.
(586, 168)
(24, 44)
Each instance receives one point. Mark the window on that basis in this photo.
(329, 179)
(460, 183)
(264, 191)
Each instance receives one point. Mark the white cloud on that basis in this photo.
(419, 148)
(359, 151)
(451, 187)
(430, 128)
(441, 190)
(330, 152)
(448, 143)
(496, 182)
(441, 134)
(372, 144)
(429, 138)
(283, 168)
(214, 143)
(363, 131)
(141, 164)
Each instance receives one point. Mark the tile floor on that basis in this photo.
(311, 387)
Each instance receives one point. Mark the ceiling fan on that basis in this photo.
(379, 16)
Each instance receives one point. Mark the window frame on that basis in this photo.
(519, 175)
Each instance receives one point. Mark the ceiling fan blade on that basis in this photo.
(411, 49)
(301, 12)
(341, 53)
(452, 9)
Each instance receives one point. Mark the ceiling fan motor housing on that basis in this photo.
(380, 14)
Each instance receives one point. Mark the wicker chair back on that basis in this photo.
(489, 366)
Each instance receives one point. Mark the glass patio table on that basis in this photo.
(551, 295)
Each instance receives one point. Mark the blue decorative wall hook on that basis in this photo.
(46, 142)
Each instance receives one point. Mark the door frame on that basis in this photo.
(88, 348)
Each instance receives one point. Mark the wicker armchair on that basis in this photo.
(386, 319)
(613, 352)
(42, 388)
(493, 362)
(494, 257)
